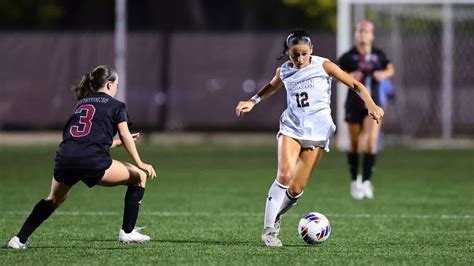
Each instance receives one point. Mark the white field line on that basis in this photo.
(250, 214)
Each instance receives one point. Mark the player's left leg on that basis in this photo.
(307, 162)
(123, 173)
(42, 210)
(372, 131)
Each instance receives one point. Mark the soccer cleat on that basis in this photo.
(133, 237)
(356, 190)
(368, 189)
(277, 225)
(15, 243)
(270, 239)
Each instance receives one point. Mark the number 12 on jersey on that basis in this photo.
(302, 99)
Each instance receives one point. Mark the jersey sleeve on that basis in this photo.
(121, 114)
(342, 62)
(384, 61)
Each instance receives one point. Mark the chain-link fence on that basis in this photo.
(430, 45)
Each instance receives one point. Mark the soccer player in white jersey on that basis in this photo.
(305, 126)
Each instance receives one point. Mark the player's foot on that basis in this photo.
(368, 189)
(15, 243)
(133, 237)
(270, 239)
(277, 225)
(356, 189)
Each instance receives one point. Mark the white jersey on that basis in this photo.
(308, 112)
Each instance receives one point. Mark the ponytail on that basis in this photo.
(90, 83)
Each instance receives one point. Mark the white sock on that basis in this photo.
(272, 206)
(288, 202)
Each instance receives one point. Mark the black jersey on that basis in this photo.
(89, 132)
(367, 64)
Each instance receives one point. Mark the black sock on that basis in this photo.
(368, 166)
(132, 203)
(353, 160)
(40, 212)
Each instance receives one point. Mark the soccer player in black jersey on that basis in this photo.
(370, 66)
(83, 155)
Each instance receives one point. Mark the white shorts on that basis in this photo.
(309, 144)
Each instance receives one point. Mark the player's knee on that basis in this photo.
(372, 145)
(354, 146)
(142, 179)
(295, 190)
(284, 177)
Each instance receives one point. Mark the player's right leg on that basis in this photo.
(42, 210)
(354, 130)
(122, 173)
(288, 150)
(371, 129)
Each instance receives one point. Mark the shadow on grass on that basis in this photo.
(206, 242)
(301, 246)
(171, 241)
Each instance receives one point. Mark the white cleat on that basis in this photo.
(15, 243)
(357, 190)
(277, 225)
(133, 237)
(368, 189)
(270, 239)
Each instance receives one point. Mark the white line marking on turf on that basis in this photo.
(250, 214)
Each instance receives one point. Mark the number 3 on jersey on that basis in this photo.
(302, 99)
(87, 112)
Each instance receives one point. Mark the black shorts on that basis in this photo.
(355, 114)
(70, 172)
(70, 176)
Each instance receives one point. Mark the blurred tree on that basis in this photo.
(175, 15)
(325, 10)
(28, 13)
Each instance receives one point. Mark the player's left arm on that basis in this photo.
(388, 72)
(333, 70)
(118, 142)
(131, 148)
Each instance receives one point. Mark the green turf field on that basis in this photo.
(206, 207)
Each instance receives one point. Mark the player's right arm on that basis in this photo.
(264, 93)
(129, 144)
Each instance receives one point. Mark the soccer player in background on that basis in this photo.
(305, 126)
(370, 66)
(83, 155)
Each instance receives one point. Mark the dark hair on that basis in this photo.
(296, 36)
(91, 82)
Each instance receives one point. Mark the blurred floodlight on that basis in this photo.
(160, 98)
(249, 86)
(214, 85)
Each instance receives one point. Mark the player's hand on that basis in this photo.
(376, 113)
(379, 75)
(148, 169)
(118, 143)
(135, 136)
(244, 107)
(357, 75)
